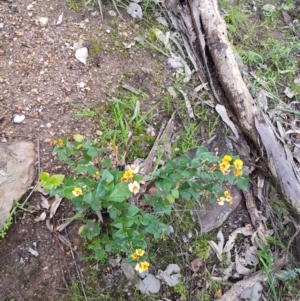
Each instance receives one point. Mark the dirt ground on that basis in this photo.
(41, 79)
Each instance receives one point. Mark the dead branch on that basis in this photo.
(205, 17)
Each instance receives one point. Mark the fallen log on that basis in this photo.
(256, 125)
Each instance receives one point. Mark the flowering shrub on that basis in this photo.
(95, 186)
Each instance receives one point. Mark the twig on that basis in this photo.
(79, 274)
(100, 9)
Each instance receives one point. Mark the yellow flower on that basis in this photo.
(227, 193)
(224, 166)
(227, 158)
(139, 252)
(58, 142)
(164, 237)
(142, 266)
(77, 191)
(237, 172)
(221, 201)
(134, 187)
(133, 168)
(227, 197)
(128, 175)
(96, 175)
(238, 163)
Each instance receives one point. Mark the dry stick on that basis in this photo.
(254, 123)
(78, 271)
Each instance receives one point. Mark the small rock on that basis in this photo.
(112, 13)
(29, 6)
(1, 25)
(81, 55)
(19, 118)
(43, 21)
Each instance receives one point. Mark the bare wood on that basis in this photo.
(252, 121)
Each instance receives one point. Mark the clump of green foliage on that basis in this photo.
(95, 185)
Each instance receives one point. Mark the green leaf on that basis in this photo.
(184, 162)
(97, 205)
(106, 163)
(100, 254)
(88, 197)
(118, 223)
(90, 229)
(120, 193)
(170, 198)
(78, 138)
(176, 176)
(230, 178)
(44, 176)
(132, 210)
(189, 173)
(114, 213)
(101, 192)
(56, 180)
(107, 176)
(175, 193)
(201, 150)
(91, 169)
(93, 152)
(82, 168)
(138, 178)
(167, 184)
(242, 183)
(68, 192)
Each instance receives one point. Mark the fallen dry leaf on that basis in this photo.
(196, 264)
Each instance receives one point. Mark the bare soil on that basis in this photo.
(41, 79)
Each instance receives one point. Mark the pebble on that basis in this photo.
(1, 25)
(19, 118)
(43, 21)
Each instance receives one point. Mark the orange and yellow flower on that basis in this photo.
(237, 172)
(224, 166)
(58, 142)
(96, 175)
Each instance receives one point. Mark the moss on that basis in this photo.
(180, 289)
(201, 248)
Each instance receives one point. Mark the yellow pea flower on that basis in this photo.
(142, 266)
(96, 175)
(227, 158)
(237, 172)
(128, 175)
(77, 191)
(221, 201)
(58, 142)
(224, 166)
(238, 163)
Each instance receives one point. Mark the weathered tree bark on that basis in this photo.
(252, 121)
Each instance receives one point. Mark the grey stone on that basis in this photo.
(17, 173)
(212, 216)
